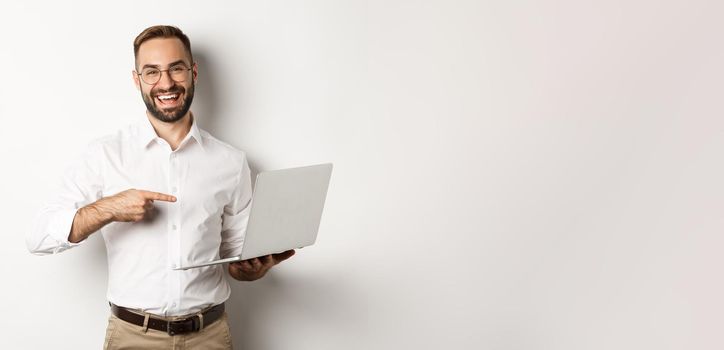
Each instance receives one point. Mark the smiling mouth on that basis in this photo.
(167, 100)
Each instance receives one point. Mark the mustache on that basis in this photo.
(173, 90)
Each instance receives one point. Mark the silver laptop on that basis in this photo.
(285, 212)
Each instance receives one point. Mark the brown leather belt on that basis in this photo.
(180, 326)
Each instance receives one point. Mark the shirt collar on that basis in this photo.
(147, 133)
(195, 132)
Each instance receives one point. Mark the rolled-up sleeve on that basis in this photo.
(81, 185)
(236, 215)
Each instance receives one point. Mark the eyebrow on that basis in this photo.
(157, 66)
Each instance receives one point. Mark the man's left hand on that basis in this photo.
(256, 268)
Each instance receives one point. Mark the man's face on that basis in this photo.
(166, 100)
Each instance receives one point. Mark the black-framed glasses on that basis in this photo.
(178, 73)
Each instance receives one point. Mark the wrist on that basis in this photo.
(100, 211)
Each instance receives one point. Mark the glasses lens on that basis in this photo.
(178, 73)
(150, 75)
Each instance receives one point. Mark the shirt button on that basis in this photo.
(173, 304)
(173, 266)
(173, 227)
(173, 189)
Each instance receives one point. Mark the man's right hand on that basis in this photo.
(131, 205)
(127, 206)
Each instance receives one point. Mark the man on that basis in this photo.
(162, 193)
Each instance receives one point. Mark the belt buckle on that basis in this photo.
(182, 323)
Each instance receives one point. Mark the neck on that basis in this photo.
(174, 132)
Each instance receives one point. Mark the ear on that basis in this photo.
(136, 80)
(195, 68)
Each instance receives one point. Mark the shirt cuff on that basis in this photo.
(60, 226)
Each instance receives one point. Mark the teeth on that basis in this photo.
(167, 97)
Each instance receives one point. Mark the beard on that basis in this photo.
(169, 115)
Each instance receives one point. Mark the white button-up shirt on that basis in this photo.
(212, 184)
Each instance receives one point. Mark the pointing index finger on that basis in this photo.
(159, 196)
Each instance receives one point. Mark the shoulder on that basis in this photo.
(222, 149)
(112, 141)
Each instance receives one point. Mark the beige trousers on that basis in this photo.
(123, 335)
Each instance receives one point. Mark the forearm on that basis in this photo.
(88, 220)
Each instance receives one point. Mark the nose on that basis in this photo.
(165, 81)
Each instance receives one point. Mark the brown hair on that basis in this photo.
(161, 32)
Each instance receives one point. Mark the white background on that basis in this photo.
(508, 174)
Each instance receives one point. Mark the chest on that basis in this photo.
(199, 182)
